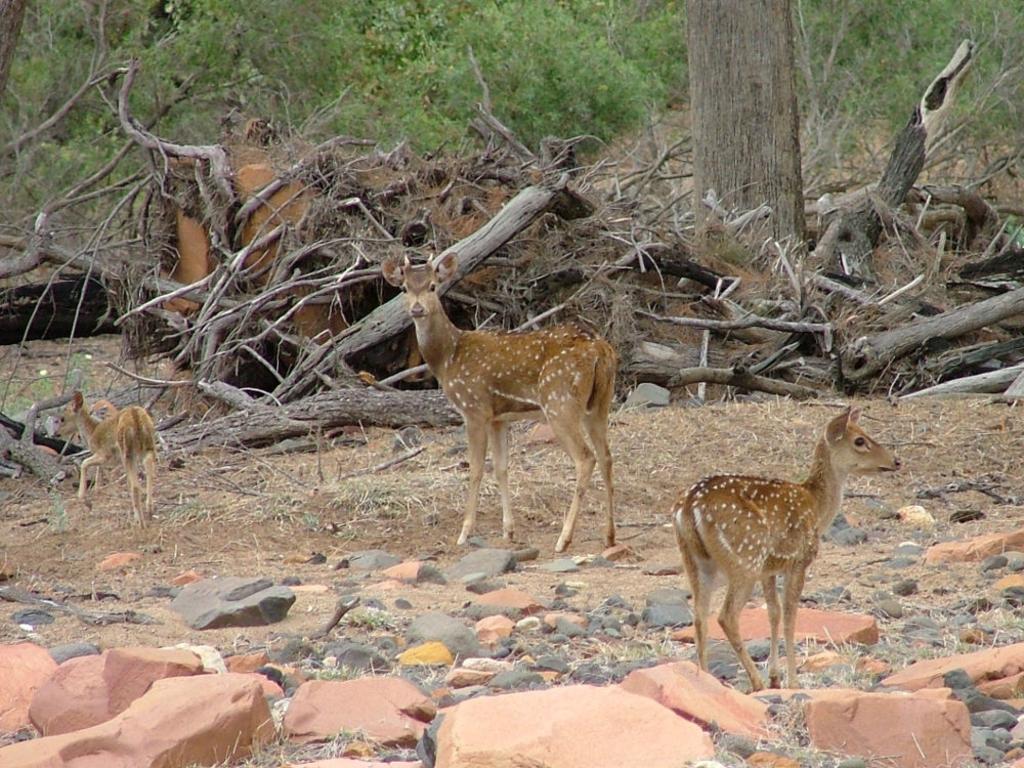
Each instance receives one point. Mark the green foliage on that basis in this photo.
(400, 69)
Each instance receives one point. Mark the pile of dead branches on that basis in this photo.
(253, 267)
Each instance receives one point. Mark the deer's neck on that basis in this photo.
(86, 424)
(438, 339)
(825, 482)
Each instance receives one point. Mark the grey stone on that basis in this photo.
(890, 608)
(358, 656)
(668, 595)
(1015, 561)
(909, 549)
(759, 650)
(32, 616)
(402, 604)
(372, 560)
(647, 395)
(426, 747)
(61, 653)
(901, 562)
(526, 554)
(979, 702)
(457, 637)
(993, 563)
(488, 562)
(905, 587)
(667, 615)
(551, 663)
(564, 590)
(848, 537)
(989, 755)
(738, 745)
(568, 628)
(561, 565)
(994, 718)
(852, 762)
(232, 601)
(516, 678)
(430, 574)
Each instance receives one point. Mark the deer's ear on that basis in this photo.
(445, 267)
(394, 271)
(853, 415)
(77, 401)
(836, 428)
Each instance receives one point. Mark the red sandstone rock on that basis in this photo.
(390, 710)
(492, 629)
(246, 662)
(975, 549)
(118, 561)
(984, 665)
(910, 731)
(24, 667)
(698, 696)
(199, 720)
(811, 624)
(578, 726)
(509, 599)
(89, 690)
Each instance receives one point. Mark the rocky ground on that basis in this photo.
(588, 651)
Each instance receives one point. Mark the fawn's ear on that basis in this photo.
(77, 401)
(394, 271)
(445, 267)
(836, 428)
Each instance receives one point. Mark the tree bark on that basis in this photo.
(746, 128)
(851, 236)
(12, 13)
(993, 381)
(869, 355)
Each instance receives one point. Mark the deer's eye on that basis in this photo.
(860, 442)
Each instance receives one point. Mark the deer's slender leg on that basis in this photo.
(476, 437)
(499, 452)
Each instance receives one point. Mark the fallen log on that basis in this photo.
(741, 379)
(747, 321)
(322, 411)
(850, 237)
(993, 381)
(55, 310)
(870, 354)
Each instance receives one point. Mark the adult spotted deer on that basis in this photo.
(565, 374)
(127, 435)
(751, 530)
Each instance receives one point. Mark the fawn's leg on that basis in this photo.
(596, 425)
(790, 600)
(571, 437)
(92, 461)
(150, 465)
(476, 436)
(131, 477)
(499, 451)
(736, 597)
(771, 599)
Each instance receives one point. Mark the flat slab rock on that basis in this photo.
(232, 601)
(487, 562)
(390, 710)
(976, 549)
(574, 726)
(902, 730)
(199, 720)
(811, 624)
(700, 697)
(981, 666)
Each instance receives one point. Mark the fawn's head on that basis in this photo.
(853, 450)
(420, 281)
(67, 422)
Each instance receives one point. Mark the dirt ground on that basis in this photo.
(262, 514)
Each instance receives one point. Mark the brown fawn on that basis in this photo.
(754, 530)
(565, 374)
(129, 435)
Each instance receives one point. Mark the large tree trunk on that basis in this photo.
(12, 12)
(743, 98)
